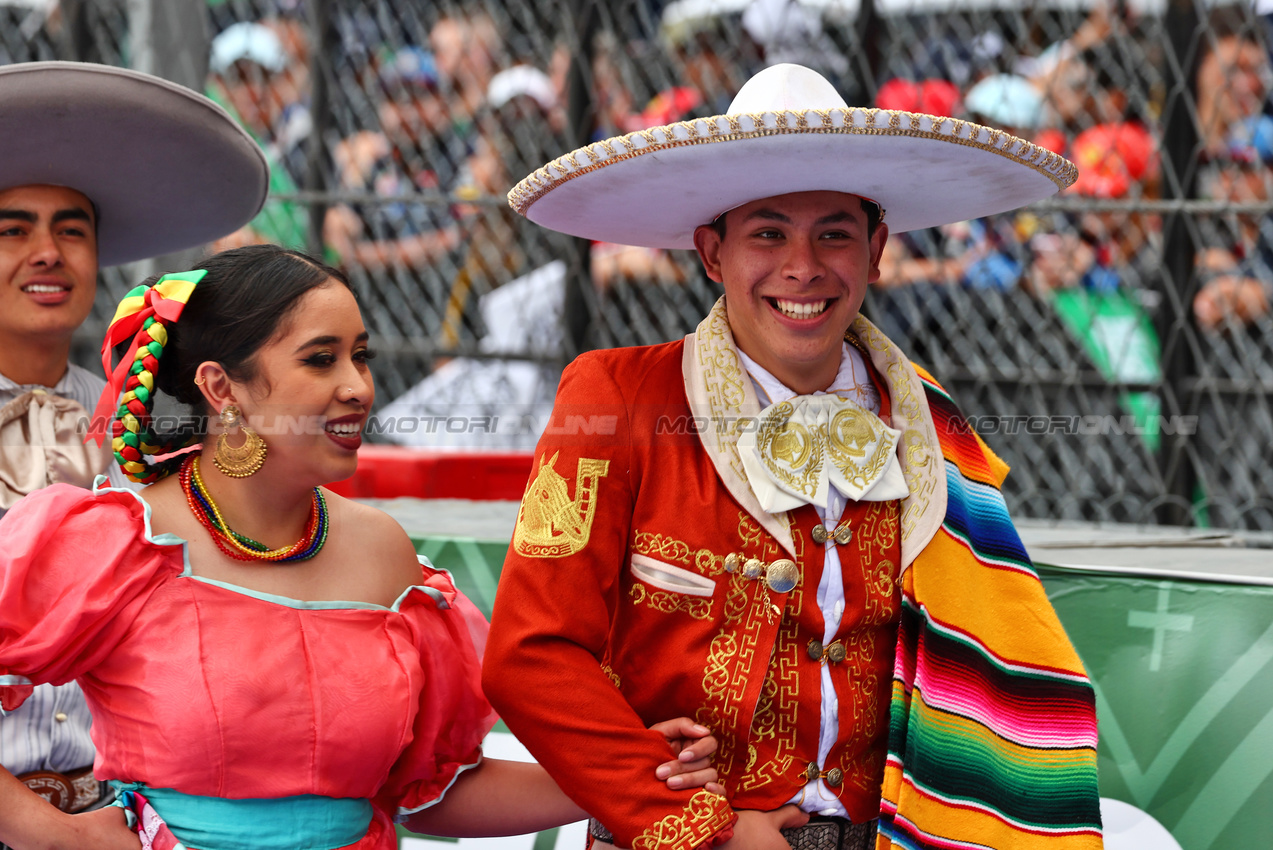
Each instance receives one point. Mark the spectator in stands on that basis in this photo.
(1232, 81)
(1008, 102)
(417, 149)
(972, 253)
(466, 49)
(790, 31)
(1094, 271)
(514, 133)
(1104, 249)
(264, 85)
(430, 101)
(508, 296)
(705, 59)
(1066, 73)
(1235, 266)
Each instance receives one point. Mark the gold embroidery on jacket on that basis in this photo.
(549, 523)
(732, 653)
(865, 709)
(709, 563)
(704, 815)
(878, 533)
(698, 607)
(777, 713)
(729, 656)
(674, 551)
(611, 675)
(750, 532)
(661, 547)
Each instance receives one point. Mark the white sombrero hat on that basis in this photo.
(165, 167)
(788, 130)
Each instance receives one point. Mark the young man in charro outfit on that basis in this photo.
(778, 525)
(127, 166)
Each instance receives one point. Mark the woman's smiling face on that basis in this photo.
(312, 392)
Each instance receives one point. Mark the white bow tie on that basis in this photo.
(800, 447)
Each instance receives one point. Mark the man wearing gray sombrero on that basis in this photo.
(779, 525)
(98, 166)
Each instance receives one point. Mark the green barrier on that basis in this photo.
(1183, 671)
(475, 564)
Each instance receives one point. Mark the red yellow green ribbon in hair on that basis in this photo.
(141, 317)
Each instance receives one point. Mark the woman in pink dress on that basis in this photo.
(269, 665)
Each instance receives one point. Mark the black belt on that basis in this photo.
(824, 833)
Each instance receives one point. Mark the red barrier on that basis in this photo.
(390, 472)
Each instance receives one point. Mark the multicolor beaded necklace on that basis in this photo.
(241, 546)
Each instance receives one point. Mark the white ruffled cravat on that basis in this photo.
(803, 445)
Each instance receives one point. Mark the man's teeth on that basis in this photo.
(796, 310)
(42, 288)
(345, 429)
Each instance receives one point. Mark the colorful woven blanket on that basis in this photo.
(993, 727)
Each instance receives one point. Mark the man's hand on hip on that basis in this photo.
(757, 830)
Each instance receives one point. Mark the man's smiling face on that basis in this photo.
(48, 262)
(795, 270)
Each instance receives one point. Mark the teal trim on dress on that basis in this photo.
(404, 813)
(305, 822)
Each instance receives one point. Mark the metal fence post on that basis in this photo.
(326, 45)
(170, 39)
(580, 118)
(78, 43)
(870, 39)
(1175, 325)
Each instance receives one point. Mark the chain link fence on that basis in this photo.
(1114, 345)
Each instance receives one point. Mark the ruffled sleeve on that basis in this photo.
(75, 566)
(454, 715)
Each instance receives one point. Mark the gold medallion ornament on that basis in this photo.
(858, 446)
(552, 524)
(244, 459)
(805, 445)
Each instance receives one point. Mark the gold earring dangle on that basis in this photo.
(242, 460)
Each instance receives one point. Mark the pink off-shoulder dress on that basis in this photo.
(218, 691)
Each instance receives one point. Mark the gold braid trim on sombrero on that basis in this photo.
(847, 121)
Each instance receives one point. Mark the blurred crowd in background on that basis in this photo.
(1132, 313)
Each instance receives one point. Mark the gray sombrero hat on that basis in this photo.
(788, 130)
(165, 167)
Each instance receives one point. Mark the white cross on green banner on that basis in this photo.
(1183, 671)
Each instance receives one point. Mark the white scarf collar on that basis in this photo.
(805, 445)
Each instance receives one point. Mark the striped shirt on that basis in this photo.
(50, 730)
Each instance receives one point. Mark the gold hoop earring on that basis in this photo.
(242, 460)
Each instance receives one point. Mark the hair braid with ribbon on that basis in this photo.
(142, 315)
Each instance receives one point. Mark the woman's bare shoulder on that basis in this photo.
(377, 535)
